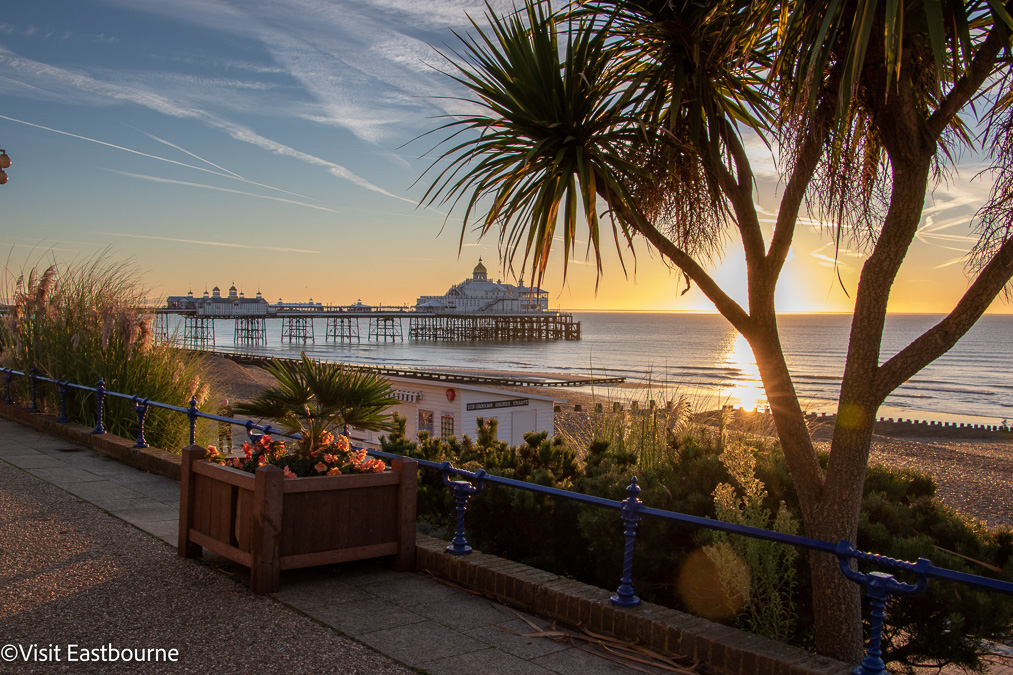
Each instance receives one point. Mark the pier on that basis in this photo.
(354, 323)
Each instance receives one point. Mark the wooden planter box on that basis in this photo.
(269, 523)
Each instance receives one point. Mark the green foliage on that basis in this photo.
(768, 590)
(86, 321)
(901, 519)
(317, 398)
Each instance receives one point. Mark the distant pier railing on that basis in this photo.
(880, 587)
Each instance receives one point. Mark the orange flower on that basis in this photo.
(320, 467)
(342, 443)
(334, 472)
(288, 473)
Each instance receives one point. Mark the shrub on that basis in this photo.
(901, 519)
(87, 321)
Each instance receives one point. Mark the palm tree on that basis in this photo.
(630, 114)
(316, 398)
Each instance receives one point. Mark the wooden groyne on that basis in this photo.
(443, 376)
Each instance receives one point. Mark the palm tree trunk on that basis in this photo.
(836, 600)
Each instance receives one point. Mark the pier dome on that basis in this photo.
(479, 273)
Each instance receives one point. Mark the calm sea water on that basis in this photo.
(701, 356)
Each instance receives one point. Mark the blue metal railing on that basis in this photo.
(879, 586)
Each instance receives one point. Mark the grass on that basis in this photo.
(89, 320)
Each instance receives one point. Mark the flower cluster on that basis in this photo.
(332, 457)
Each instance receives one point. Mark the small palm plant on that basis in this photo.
(315, 398)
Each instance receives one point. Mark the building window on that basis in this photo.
(426, 421)
(447, 425)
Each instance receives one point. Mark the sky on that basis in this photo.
(274, 145)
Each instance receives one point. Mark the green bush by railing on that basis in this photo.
(902, 519)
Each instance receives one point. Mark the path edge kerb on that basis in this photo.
(150, 459)
(724, 650)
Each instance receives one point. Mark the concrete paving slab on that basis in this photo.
(104, 493)
(152, 512)
(11, 448)
(166, 493)
(404, 643)
(412, 590)
(166, 530)
(36, 460)
(515, 639)
(463, 611)
(574, 661)
(64, 476)
(318, 592)
(361, 617)
(488, 661)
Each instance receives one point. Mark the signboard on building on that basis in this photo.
(492, 405)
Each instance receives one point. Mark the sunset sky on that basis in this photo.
(267, 144)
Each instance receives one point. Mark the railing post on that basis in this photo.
(462, 490)
(64, 387)
(100, 393)
(880, 587)
(33, 384)
(141, 408)
(8, 376)
(192, 414)
(624, 595)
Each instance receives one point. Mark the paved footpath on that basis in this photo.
(76, 577)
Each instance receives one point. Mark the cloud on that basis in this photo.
(107, 92)
(204, 186)
(228, 244)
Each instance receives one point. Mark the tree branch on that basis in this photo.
(940, 338)
(730, 309)
(739, 191)
(806, 162)
(969, 83)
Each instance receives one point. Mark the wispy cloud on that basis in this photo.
(215, 188)
(110, 92)
(227, 244)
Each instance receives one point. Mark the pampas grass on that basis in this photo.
(88, 320)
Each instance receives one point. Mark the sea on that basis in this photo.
(664, 356)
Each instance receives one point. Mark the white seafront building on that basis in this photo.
(478, 295)
(235, 304)
(444, 410)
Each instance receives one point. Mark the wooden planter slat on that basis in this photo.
(270, 523)
(215, 546)
(291, 562)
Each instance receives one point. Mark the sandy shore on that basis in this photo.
(973, 470)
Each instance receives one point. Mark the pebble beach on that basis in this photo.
(974, 472)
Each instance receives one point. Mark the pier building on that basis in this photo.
(478, 295)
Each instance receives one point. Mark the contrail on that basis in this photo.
(210, 243)
(155, 179)
(117, 147)
(232, 173)
(187, 152)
